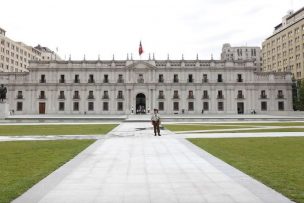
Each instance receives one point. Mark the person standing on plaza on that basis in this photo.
(155, 118)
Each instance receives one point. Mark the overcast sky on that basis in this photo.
(174, 27)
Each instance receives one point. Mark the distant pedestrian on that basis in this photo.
(155, 118)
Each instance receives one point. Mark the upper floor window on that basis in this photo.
(190, 95)
(140, 78)
(175, 78)
(219, 78)
(205, 78)
(120, 95)
(76, 79)
(42, 95)
(263, 94)
(205, 94)
(160, 78)
(175, 94)
(120, 78)
(61, 95)
(239, 78)
(42, 78)
(190, 78)
(91, 79)
(280, 94)
(220, 94)
(61, 80)
(161, 94)
(91, 95)
(105, 95)
(19, 95)
(106, 78)
(240, 94)
(76, 95)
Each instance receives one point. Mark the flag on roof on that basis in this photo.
(140, 50)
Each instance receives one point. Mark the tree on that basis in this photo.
(300, 102)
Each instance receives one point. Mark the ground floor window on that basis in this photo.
(105, 106)
(19, 106)
(161, 106)
(175, 106)
(281, 106)
(206, 106)
(263, 106)
(91, 106)
(119, 106)
(61, 106)
(220, 106)
(76, 106)
(190, 106)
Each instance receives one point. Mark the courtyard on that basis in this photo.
(235, 161)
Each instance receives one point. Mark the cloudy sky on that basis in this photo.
(174, 27)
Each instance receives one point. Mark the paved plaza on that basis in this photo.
(132, 165)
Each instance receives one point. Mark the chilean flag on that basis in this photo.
(140, 50)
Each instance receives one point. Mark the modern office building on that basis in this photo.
(15, 56)
(284, 49)
(230, 53)
(130, 86)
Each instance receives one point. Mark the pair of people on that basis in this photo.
(155, 118)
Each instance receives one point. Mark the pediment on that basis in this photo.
(141, 65)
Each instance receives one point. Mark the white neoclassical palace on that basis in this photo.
(126, 86)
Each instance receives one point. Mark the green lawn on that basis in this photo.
(277, 162)
(260, 130)
(202, 127)
(80, 129)
(22, 164)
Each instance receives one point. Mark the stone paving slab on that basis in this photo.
(132, 165)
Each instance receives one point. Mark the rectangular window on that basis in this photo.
(19, 106)
(75, 106)
(190, 106)
(281, 106)
(220, 94)
(76, 80)
(91, 106)
(205, 94)
(239, 78)
(120, 95)
(61, 106)
(219, 78)
(175, 78)
(76, 95)
(61, 95)
(161, 94)
(105, 95)
(263, 106)
(105, 78)
(42, 78)
(61, 80)
(91, 78)
(119, 106)
(205, 78)
(161, 106)
(19, 95)
(160, 78)
(175, 106)
(175, 94)
(91, 95)
(105, 106)
(190, 95)
(190, 78)
(206, 106)
(120, 79)
(42, 95)
(220, 106)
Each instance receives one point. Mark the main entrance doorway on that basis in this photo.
(240, 107)
(41, 108)
(140, 103)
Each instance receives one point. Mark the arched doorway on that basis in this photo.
(140, 103)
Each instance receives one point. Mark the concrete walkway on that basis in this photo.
(131, 165)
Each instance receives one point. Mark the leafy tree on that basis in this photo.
(300, 102)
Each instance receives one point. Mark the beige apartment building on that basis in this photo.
(15, 56)
(238, 53)
(284, 49)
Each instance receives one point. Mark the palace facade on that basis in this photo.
(126, 86)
